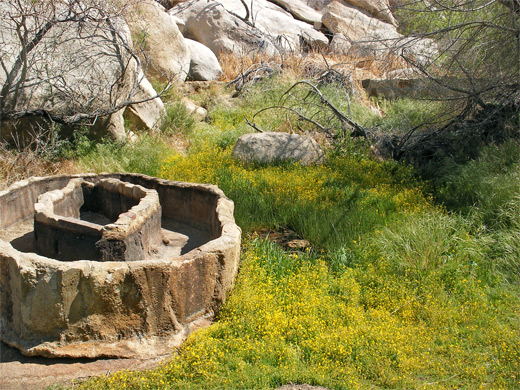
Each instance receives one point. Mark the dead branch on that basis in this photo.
(299, 114)
(358, 130)
(253, 125)
(252, 74)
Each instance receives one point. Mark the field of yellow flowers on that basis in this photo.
(395, 292)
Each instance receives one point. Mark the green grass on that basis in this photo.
(402, 115)
(290, 318)
(484, 186)
(143, 156)
(407, 285)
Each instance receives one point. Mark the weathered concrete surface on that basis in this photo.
(133, 235)
(122, 309)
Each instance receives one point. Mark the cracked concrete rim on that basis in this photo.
(166, 299)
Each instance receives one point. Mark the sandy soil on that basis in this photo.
(18, 372)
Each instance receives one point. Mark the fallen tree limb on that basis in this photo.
(358, 130)
(300, 115)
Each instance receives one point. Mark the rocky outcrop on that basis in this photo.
(204, 65)
(361, 28)
(369, 36)
(212, 25)
(404, 83)
(287, 32)
(114, 125)
(278, 147)
(340, 45)
(74, 75)
(379, 9)
(166, 56)
(226, 26)
(311, 11)
(198, 112)
(147, 114)
(300, 10)
(354, 24)
(317, 4)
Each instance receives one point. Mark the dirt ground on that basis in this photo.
(18, 372)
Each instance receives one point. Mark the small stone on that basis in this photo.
(298, 244)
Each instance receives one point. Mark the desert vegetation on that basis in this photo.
(412, 273)
(411, 279)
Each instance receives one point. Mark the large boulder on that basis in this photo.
(362, 35)
(287, 32)
(278, 147)
(226, 26)
(311, 11)
(379, 9)
(198, 112)
(204, 65)
(166, 55)
(212, 25)
(356, 25)
(300, 10)
(317, 4)
(73, 75)
(340, 45)
(149, 111)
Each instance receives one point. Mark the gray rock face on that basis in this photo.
(287, 32)
(166, 56)
(146, 115)
(212, 25)
(198, 112)
(85, 74)
(370, 36)
(276, 147)
(300, 10)
(354, 24)
(340, 45)
(379, 9)
(276, 26)
(86, 61)
(220, 25)
(312, 10)
(204, 65)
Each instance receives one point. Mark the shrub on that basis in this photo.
(143, 156)
(177, 119)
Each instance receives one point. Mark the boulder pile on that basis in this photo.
(171, 41)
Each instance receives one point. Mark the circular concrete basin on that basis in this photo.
(179, 259)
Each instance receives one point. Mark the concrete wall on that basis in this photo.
(96, 309)
(184, 202)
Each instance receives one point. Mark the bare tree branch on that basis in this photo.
(358, 130)
(68, 60)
